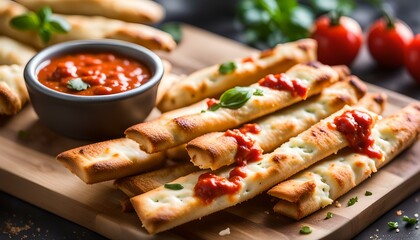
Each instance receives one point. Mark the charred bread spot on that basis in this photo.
(322, 79)
(266, 53)
(184, 124)
(358, 85)
(380, 99)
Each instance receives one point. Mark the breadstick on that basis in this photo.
(13, 52)
(161, 134)
(216, 149)
(109, 160)
(13, 93)
(321, 184)
(166, 207)
(84, 27)
(210, 82)
(136, 11)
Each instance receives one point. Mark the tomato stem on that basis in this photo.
(388, 20)
(335, 16)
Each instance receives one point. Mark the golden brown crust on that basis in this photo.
(109, 160)
(162, 134)
(128, 10)
(13, 93)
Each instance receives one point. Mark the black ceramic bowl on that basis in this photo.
(93, 117)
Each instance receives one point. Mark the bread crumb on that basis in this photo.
(399, 212)
(14, 230)
(337, 204)
(397, 230)
(266, 212)
(224, 232)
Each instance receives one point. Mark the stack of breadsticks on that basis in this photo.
(89, 19)
(302, 156)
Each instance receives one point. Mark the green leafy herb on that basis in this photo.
(305, 230)
(203, 111)
(174, 186)
(352, 201)
(42, 22)
(77, 84)
(235, 98)
(259, 92)
(329, 215)
(410, 221)
(266, 23)
(227, 67)
(393, 225)
(174, 29)
(367, 193)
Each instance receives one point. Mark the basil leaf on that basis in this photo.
(173, 186)
(367, 193)
(393, 225)
(59, 25)
(77, 84)
(227, 67)
(329, 215)
(44, 34)
(236, 97)
(44, 14)
(305, 230)
(25, 22)
(352, 201)
(174, 29)
(410, 221)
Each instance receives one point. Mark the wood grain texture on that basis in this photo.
(28, 170)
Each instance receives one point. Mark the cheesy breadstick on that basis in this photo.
(321, 184)
(136, 11)
(202, 193)
(85, 27)
(240, 105)
(213, 81)
(217, 149)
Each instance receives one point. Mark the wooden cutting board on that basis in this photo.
(28, 170)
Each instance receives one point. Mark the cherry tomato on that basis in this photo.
(337, 43)
(387, 42)
(412, 58)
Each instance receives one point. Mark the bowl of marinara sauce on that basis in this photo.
(93, 89)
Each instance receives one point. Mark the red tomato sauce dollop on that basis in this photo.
(105, 73)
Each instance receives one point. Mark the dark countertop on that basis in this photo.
(21, 220)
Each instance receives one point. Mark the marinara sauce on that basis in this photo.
(211, 186)
(97, 73)
(284, 82)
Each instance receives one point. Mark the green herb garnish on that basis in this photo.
(305, 230)
(77, 84)
(352, 201)
(409, 221)
(174, 29)
(42, 22)
(227, 67)
(236, 97)
(329, 215)
(174, 186)
(367, 193)
(393, 225)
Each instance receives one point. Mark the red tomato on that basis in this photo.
(412, 58)
(387, 44)
(337, 44)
